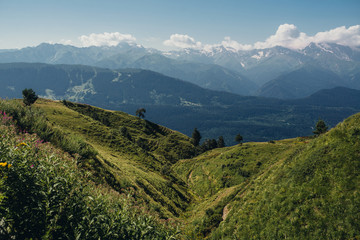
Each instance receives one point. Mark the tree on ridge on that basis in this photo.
(196, 137)
(238, 138)
(320, 127)
(29, 96)
(140, 112)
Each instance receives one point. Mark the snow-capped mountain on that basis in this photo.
(263, 65)
(217, 68)
(127, 55)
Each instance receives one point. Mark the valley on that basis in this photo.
(175, 120)
(280, 171)
(178, 104)
(221, 193)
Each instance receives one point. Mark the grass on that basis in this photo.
(46, 194)
(300, 188)
(311, 194)
(134, 162)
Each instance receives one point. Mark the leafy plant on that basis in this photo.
(44, 195)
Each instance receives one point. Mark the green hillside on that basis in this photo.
(301, 188)
(47, 193)
(136, 152)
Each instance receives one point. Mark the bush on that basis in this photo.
(32, 121)
(45, 196)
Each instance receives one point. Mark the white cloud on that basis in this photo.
(66, 42)
(182, 41)
(341, 35)
(287, 35)
(229, 43)
(105, 39)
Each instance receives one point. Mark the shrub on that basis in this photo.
(33, 121)
(45, 196)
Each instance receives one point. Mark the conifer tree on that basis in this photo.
(238, 138)
(320, 127)
(196, 137)
(221, 142)
(29, 96)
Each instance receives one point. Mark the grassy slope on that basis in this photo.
(296, 188)
(219, 175)
(303, 188)
(46, 194)
(137, 159)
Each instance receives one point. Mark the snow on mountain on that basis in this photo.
(218, 67)
(262, 65)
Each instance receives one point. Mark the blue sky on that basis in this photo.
(152, 22)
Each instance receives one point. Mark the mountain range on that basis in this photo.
(111, 175)
(273, 72)
(179, 104)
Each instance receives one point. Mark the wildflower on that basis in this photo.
(3, 164)
(32, 165)
(9, 165)
(22, 144)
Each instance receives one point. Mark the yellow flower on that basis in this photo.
(9, 165)
(3, 164)
(22, 144)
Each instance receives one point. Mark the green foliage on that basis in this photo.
(208, 145)
(125, 133)
(46, 196)
(131, 152)
(320, 127)
(238, 138)
(140, 112)
(33, 121)
(310, 194)
(196, 137)
(29, 96)
(221, 142)
(303, 188)
(215, 170)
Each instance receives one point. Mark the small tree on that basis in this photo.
(221, 142)
(140, 112)
(212, 144)
(208, 144)
(196, 137)
(238, 138)
(320, 127)
(29, 96)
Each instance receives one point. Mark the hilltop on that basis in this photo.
(299, 188)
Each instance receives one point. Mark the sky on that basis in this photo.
(173, 24)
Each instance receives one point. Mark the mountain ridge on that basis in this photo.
(301, 83)
(223, 69)
(178, 104)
